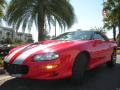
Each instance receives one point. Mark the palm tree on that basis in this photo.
(40, 12)
(111, 18)
(55, 29)
(2, 7)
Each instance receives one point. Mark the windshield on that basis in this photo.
(76, 35)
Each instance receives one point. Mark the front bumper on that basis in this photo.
(50, 70)
(15, 69)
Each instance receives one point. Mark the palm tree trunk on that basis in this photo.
(114, 32)
(55, 29)
(41, 25)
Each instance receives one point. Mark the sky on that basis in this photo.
(88, 14)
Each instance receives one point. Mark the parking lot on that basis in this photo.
(101, 78)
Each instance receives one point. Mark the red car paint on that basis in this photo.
(99, 52)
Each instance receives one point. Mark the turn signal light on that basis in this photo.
(51, 66)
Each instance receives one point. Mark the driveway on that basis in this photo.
(101, 78)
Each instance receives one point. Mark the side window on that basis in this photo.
(99, 37)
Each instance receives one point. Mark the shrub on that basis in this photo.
(8, 41)
(1, 62)
(118, 52)
(30, 41)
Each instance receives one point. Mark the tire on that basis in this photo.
(112, 63)
(79, 68)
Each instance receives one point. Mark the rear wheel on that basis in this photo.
(112, 63)
(79, 68)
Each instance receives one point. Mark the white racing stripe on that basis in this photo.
(7, 59)
(20, 59)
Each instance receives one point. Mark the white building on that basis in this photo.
(10, 33)
(6, 33)
(23, 36)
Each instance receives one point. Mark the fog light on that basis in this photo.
(51, 66)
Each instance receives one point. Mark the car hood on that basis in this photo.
(19, 54)
(48, 45)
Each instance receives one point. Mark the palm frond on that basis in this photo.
(26, 12)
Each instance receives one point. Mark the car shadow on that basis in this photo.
(101, 78)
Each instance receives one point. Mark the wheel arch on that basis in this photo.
(84, 52)
(75, 58)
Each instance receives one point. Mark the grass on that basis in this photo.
(118, 52)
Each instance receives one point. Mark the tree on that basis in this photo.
(112, 19)
(40, 12)
(99, 29)
(2, 7)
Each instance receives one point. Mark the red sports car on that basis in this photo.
(68, 55)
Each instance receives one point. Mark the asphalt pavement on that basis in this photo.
(101, 78)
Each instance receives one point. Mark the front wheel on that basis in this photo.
(79, 68)
(112, 63)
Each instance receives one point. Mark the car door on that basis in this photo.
(101, 49)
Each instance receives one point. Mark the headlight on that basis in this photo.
(45, 57)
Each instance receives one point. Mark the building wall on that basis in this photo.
(10, 33)
(6, 33)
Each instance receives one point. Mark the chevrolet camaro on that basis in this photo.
(68, 55)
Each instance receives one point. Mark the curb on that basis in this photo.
(5, 77)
